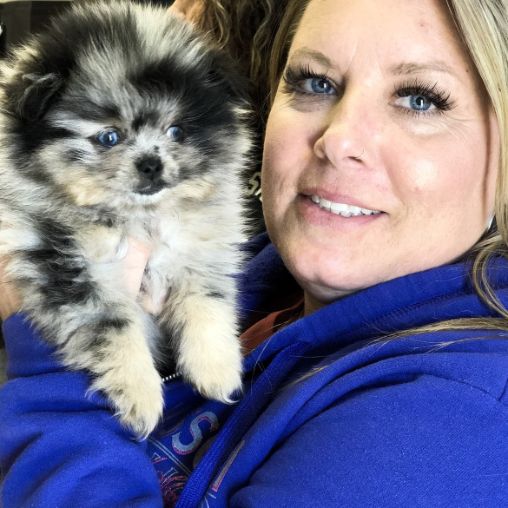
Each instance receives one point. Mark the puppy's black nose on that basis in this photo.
(150, 168)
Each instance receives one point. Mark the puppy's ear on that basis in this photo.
(224, 73)
(30, 98)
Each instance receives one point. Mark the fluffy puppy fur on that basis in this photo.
(120, 121)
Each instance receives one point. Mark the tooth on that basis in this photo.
(338, 208)
(324, 203)
(341, 208)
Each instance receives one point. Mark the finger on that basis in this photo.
(10, 302)
(134, 265)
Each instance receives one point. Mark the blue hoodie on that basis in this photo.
(332, 415)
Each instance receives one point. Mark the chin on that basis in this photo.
(146, 199)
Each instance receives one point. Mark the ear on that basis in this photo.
(223, 72)
(31, 97)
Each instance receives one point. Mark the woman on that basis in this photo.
(386, 138)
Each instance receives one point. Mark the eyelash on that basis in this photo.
(293, 78)
(438, 97)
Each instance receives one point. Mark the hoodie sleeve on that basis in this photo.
(59, 445)
(426, 442)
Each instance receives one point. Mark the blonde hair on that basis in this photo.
(483, 28)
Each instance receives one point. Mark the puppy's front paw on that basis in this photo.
(136, 394)
(213, 364)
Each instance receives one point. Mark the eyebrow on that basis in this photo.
(404, 68)
(415, 68)
(312, 54)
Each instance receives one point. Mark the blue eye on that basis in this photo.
(420, 103)
(318, 86)
(175, 133)
(108, 138)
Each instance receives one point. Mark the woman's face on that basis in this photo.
(381, 151)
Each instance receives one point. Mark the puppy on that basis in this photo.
(121, 122)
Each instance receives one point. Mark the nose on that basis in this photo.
(150, 168)
(349, 132)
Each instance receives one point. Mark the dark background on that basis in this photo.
(19, 19)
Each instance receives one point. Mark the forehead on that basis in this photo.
(112, 85)
(130, 59)
(393, 30)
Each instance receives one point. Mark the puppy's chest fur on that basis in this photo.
(173, 240)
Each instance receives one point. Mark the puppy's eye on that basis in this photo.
(108, 137)
(175, 133)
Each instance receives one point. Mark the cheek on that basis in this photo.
(442, 185)
(443, 174)
(281, 159)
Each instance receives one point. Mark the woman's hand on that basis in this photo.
(10, 301)
(132, 265)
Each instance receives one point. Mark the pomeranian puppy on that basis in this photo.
(121, 122)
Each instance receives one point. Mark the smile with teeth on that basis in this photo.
(342, 209)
